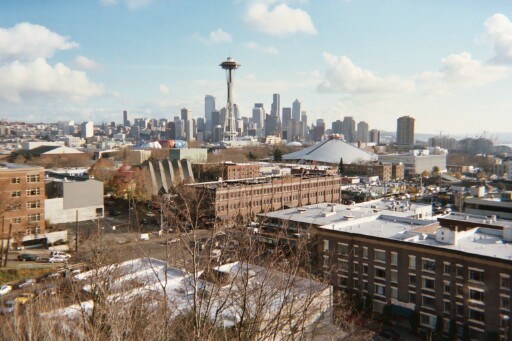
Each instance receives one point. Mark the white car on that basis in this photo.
(60, 254)
(57, 259)
(5, 289)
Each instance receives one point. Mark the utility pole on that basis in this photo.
(8, 245)
(76, 232)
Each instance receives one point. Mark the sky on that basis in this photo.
(446, 63)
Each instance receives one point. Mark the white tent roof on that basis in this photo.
(330, 151)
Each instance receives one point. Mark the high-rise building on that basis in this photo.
(349, 128)
(271, 125)
(258, 115)
(405, 131)
(126, 123)
(276, 105)
(337, 127)
(67, 127)
(87, 130)
(287, 116)
(296, 110)
(209, 106)
(374, 136)
(186, 114)
(362, 132)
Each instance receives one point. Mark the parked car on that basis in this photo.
(389, 334)
(24, 298)
(57, 259)
(26, 283)
(114, 212)
(28, 257)
(5, 289)
(60, 254)
(8, 307)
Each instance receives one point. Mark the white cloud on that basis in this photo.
(219, 36)
(265, 49)
(345, 77)
(280, 20)
(19, 81)
(131, 4)
(84, 63)
(214, 37)
(499, 32)
(164, 89)
(27, 41)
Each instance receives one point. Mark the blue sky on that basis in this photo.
(449, 64)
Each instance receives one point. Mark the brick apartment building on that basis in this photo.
(246, 198)
(22, 199)
(458, 269)
(226, 171)
(385, 171)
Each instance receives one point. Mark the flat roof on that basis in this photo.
(18, 166)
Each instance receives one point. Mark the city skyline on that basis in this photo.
(90, 61)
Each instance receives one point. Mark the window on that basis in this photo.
(33, 178)
(460, 309)
(380, 256)
(342, 249)
(476, 295)
(380, 273)
(412, 262)
(459, 290)
(476, 275)
(394, 292)
(447, 306)
(476, 315)
(33, 191)
(446, 268)
(342, 265)
(504, 281)
(365, 252)
(459, 271)
(447, 287)
(342, 281)
(428, 264)
(394, 276)
(15, 180)
(505, 302)
(356, 267)
(326, 261)
(412, 279)
(34, 217)
(33, 204)
(326, 245)
(428, 320)
(429, 284)
(429, 301)
(365, 269)
(15, 207)
(380, 290)
(365, 286)
(16, 194)
(394, 258)
(412, 297)
(16, 220)
(356, 283)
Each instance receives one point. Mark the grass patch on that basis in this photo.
(14, 275)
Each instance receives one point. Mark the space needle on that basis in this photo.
(230, 65)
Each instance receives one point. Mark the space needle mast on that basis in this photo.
(230, 65)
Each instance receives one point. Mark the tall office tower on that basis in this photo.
(258, 115)
(200, 123)
(67, 127)
(236, 112)
(275, 109)
(141, 123)
(375, 136)
(362, 132)
(216, 119)
(186, 114)
(349, 128)
(189, 130)
(162, 122)
(337, 127)
(320, 122)
(271, 125)
(405, 131)
(126, 123)
(209, 107)
(304, 117)
(179, 129)
(87, 130)
(296, 110)
(303, 124)
(230, 65)
(287, 116)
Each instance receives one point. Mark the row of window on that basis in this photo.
(276, 189)
(30, 217)
(30, 178)
(30, 192)
(29, 204)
